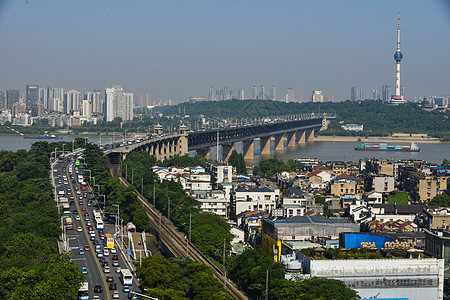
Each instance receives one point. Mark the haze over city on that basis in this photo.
(176, 49)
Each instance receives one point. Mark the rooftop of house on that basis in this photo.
(320, 253)
(254, 190)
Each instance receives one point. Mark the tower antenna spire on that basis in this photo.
(398, 98)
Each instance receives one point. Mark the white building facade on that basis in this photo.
(119, 104)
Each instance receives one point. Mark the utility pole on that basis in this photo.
(224, 269)
(266, 296)
(168, 208)
(190, 216)
(154, 203)
(142, 185)
(217, 147)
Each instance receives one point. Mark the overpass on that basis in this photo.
(272, 137)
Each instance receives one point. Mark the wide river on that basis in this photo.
(323, 151)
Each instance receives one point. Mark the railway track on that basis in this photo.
(178, 244)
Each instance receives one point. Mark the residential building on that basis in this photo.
(220, 172)
(317, 96)
(214, 201)
(290, 96)
(430, 186)
(394, 212)
(249, 198)
(273, 93)
(383, 184)
(119, 104)
(96, 100)
(346, 185)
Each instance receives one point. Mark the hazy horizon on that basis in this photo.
(176, 49)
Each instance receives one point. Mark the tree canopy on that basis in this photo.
(30, 266)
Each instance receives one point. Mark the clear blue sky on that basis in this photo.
(177, 49)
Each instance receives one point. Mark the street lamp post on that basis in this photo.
(117, 218)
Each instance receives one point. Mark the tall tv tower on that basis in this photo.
(397, 98)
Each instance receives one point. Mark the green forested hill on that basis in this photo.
(377, 117)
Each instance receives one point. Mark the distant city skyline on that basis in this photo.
(178, 50)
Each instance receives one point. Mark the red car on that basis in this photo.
(86, 248)
(83, 209)
(86, 214)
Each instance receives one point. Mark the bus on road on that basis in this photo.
(83, 292)
(109, 241)
(126, 277)
(61, 158)
(66, 208)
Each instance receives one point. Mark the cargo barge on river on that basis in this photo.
(386, 147)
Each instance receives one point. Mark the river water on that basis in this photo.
(323, 151)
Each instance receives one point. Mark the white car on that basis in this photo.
(116, 295)
(113, 251)
(106, 252)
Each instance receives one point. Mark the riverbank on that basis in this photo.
(376, 139)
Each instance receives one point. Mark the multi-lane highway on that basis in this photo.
(101, 265)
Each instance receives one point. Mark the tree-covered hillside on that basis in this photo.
(377, 117)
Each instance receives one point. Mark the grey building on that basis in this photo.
(32, 95)
(12, 96)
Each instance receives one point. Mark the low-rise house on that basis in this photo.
(249, 199)
(346, 185)
(212, 201)
(394, 212)
(383, 184)
(373, 198)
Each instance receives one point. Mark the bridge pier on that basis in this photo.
(310, 135)
(265, 145)
(291, 137)
(279, 142)
(227, 149)
(301, 137)
(249, 150)
(204, 152)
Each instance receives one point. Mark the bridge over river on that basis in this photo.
(280, 135)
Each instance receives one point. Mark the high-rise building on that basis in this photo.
(262, 93)
(37, 110)
(87, 108)
(290, 96)
(226, 94)
(12, 96)
(2, 100)
(119, 104)
(360, 94)
(273, 93)
(96, 100)
(353, 93)
(32, 95)
(52, 99)
(386, 93)
(398, 98)
(317, 96)
(212, 94)
(72, 102)
(254, 92)
(376, 94)
(241, 94)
